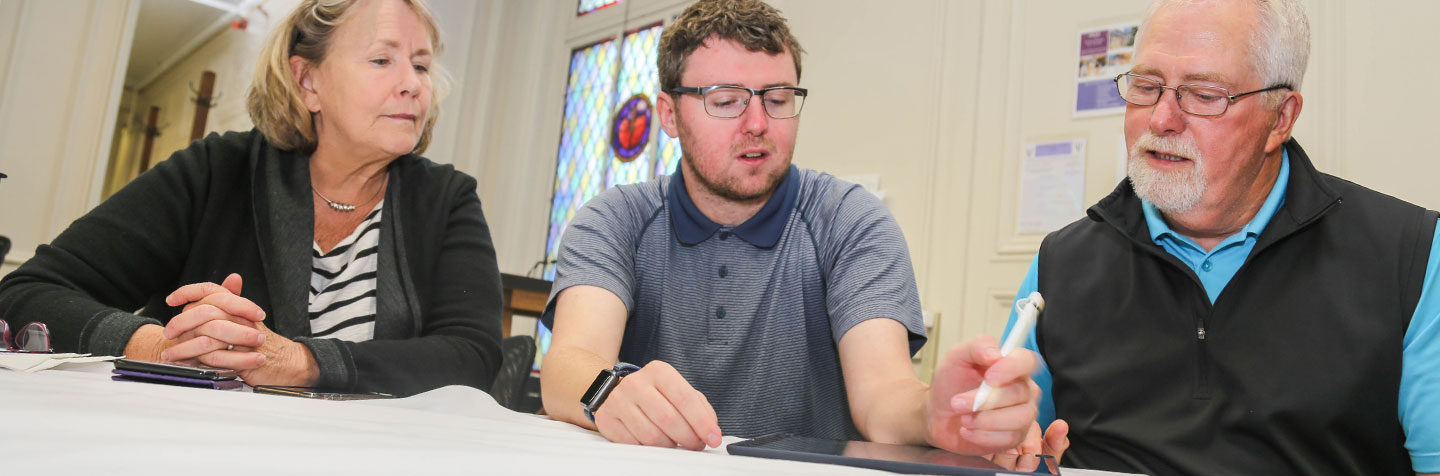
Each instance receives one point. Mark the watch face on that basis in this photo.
(599, 389)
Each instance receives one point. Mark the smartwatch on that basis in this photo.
(602, 386)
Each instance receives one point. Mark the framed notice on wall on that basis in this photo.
(1104, 53)
(1052, 186)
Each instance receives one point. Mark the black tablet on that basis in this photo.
(885, 457)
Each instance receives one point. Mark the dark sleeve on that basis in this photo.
(459, 341)
(85, 284)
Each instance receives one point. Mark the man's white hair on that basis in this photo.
(1279, 46)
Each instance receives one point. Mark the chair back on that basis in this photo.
(509, 386)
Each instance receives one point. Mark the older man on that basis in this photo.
(753, 295)
(1229, 309)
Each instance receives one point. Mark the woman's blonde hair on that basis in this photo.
(274, 100)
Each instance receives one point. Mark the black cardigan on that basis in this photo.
(234, 203)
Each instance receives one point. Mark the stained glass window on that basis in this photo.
(609, 134)
(590, 6)
(640, 75)
(579, 170)
(609, 105)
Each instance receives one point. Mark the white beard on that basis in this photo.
(1171, 192)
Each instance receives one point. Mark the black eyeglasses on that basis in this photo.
(1194, 98)
(725, 102)
(32, 338)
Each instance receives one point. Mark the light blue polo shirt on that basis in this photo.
(1420, 373)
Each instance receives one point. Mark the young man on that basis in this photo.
(1229, 309)
(756, 296)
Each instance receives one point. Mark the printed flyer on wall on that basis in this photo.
(1052, 185)
(1104, 53)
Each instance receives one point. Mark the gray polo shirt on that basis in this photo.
(751, 315)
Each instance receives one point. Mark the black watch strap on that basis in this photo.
(604, 383)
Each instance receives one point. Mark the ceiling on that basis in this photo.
(164, 28)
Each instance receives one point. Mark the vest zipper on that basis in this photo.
(1202, 361)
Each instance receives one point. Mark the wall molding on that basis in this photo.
(1002, 301)
(1009, 243)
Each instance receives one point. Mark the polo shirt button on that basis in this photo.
(720, 312)
(724, 235)
(1206, 266)
(724, 272)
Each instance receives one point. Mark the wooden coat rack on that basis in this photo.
(204, 100)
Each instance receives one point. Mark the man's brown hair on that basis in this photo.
(751, 23)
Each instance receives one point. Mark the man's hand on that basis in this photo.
(656, 406)
(1003, 421)
(1054, 443)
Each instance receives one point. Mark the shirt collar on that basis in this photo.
(1159, 229)
(762, 230)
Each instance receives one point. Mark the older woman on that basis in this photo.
(344, 259)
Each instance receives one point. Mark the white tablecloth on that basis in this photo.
(75, 420)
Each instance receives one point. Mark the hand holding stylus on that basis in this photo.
(1028, 308)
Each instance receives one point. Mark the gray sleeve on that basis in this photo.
(869, 272)
(333, 360)
(598, 247)
(109, 333)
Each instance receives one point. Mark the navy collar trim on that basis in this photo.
(762, 230)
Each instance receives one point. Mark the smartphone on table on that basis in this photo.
(172, 373)
(318, 393)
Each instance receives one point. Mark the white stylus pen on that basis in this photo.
(1027, 309)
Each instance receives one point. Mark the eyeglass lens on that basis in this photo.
(1198, 100)
(33, 337)
(731, 102)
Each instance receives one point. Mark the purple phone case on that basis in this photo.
(146, 377)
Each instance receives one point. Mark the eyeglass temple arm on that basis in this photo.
(1258, 91)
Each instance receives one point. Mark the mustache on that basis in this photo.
(1172, 145)
(751, 144)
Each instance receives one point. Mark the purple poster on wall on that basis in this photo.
(1104, 53)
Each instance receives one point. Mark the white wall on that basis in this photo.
(506, 124)
(1377, 58)
(61, 70)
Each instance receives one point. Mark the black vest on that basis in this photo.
(1295, 369)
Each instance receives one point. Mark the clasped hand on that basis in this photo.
(219, 328)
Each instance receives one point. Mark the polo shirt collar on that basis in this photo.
(762, 230)
(1159, 229)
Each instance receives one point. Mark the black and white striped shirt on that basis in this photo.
(342, 284)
